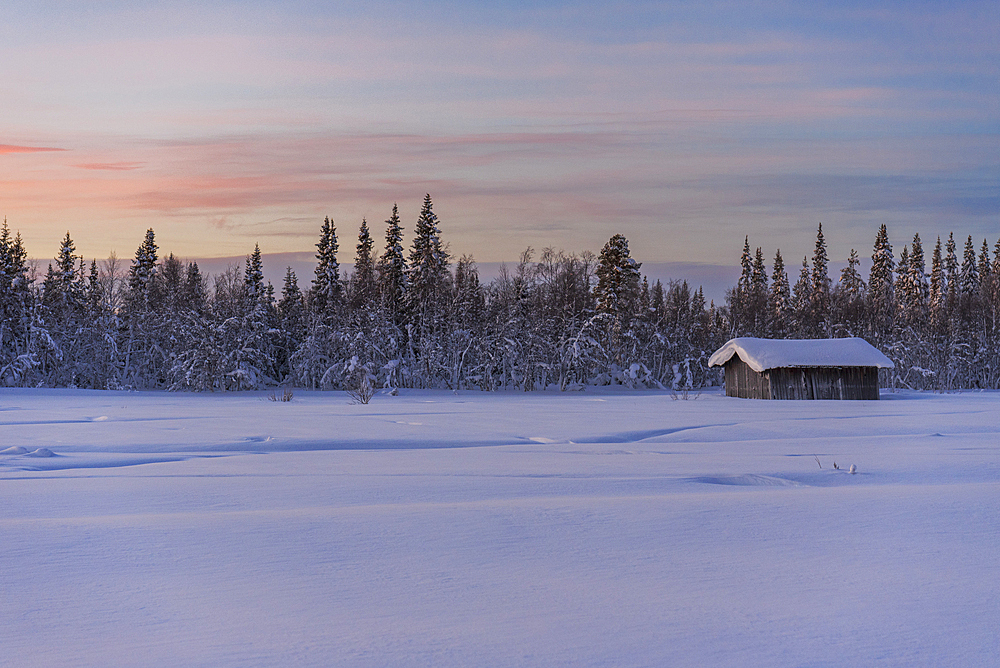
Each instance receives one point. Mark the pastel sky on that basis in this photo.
(682, 125)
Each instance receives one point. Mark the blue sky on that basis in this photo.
(684, 126)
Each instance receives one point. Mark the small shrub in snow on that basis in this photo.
(684, 393)
(286, 395)
(362, 391)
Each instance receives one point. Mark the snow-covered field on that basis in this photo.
(591, 528)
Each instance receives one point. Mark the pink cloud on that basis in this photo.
(112, 166)
(662, 178)
(8, 148)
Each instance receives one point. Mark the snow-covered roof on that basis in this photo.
(761, 354)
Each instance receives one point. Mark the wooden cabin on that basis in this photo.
(800, 368)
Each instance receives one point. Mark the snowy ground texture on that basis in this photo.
(543, 529)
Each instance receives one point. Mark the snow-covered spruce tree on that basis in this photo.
(61, 290)
(757, 298)
(143, 290)
(902, 285)
(233, 347)
(105, 292)
(985, 267)
(93, 289)
(142, 359)
(657, 303)
(180, 313)
(324, 297)
(952, 280)
(779, 300)
(202, 366)
(170, 276)
(225, 342)
(469, 301)
(618, 276)
(969, 286)
(918, 272)
(748, 300)
(881, 290)
(739, 297)
(615, 295)
(466, 333)
(193, 294)
(984, 357)
(292, 322)
(369, 336)
(319, 360)
(392, 270)
(914, 292)
(363, 286)
(848, 300)
(818, 324)
(62, 315)
(101, 334)
(84, 328)
(78, 336)
(16, 306)
(708, 331)
(936, 331)
(190, 328)
(389, 322)
(937, 291)
(253, 278)
(250, 359)
(912, 348)
(427, 298)
(966, 341)
(702, 320)
(181, 286)
(344, 339)
(746, 267)
(800, 298)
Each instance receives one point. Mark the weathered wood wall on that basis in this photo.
(800, 383)
(744, 382)
(852, 382)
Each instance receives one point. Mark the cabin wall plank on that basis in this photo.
(827, 383)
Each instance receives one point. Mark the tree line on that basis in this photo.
(940, 329)
(420, 318)
(411, 317)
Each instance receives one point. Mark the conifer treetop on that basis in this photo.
(617, 277)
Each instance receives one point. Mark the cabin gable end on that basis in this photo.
(744, 382)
